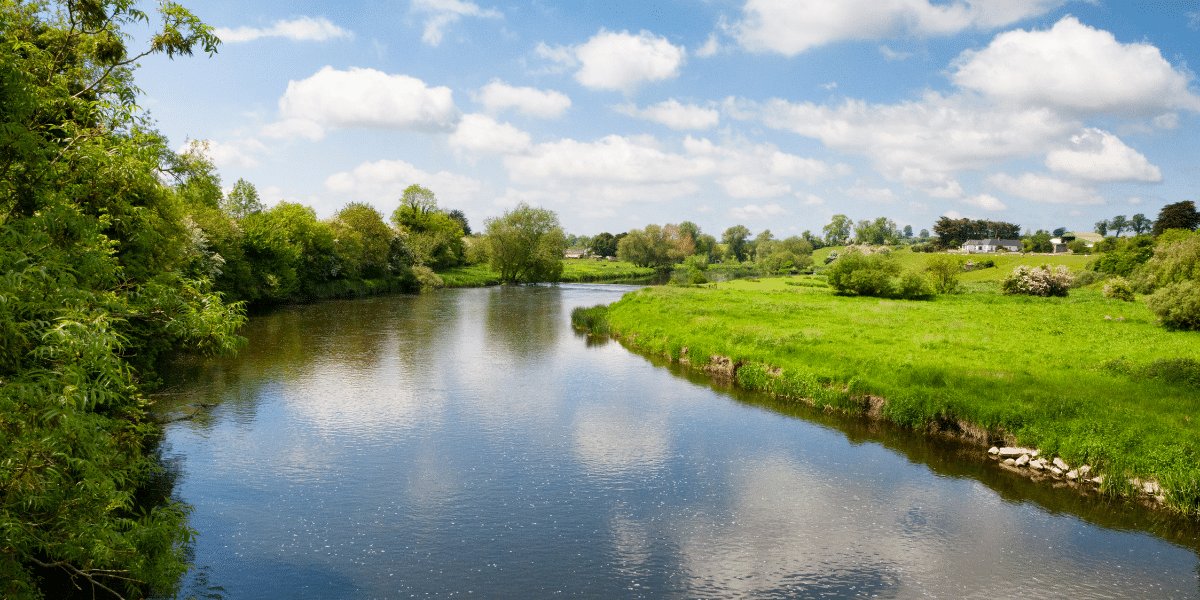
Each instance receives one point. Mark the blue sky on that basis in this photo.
(775, 114)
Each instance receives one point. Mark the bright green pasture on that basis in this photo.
(1038, 369)
(1005, 262)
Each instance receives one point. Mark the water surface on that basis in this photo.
(468, 442)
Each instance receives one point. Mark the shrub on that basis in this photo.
(1118, 288)
(1038, 281)
(943, 269)
(1176, 259)
(915, 287)
(1086, 278)
(1177, 305)
(865, 275)
(426, 278)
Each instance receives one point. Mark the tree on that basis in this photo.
(837, 232)
(461, 218)
(363, 241)
(953, 232)
(944, 270)
(680, 243)
(1118, 224)
(1059, 232)
(433, 237)
(1140, 224)
(416, 205)
(95, 253)
(1180, 215)
(1102, 227)
(242, 200)
(879, 232)
(526, 244)
(924, 235)
(603, 244)
(1038, 242)
(735, 239)
(645, 247)
(908, 232)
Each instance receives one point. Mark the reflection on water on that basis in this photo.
(468, 442)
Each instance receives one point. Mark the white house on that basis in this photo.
(974, 246)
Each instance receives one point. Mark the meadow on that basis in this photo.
(1094, 380)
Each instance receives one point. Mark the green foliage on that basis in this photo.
(1119, 288)
(879, 232)
(101, 272)
(427, 279)
(837, 231)
(526, 244)
(736, 240)
(1038, 281)
(1180, 215)
(1122, 256)
(943, 270)
(603, 244)
(1177, 305)
(875, 275)
(362, 241)
(242, 200)
(692, 271)
(1176, 259)
(649, 247)
(1038, 242)
(790, 255)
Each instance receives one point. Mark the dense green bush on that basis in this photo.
(1177, 305)
(1119, 288)
(1122, 256)
(875, 275)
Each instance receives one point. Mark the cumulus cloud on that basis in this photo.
(986, 202)
(440, 14)
(240, 153)
(480, 134)
(357, 97)
(920, 141)
(613, 158)
(1097, 155)
(497, 97)
(619, 61)
(742, 187)
(790, 27)
(382, 182)
(675, 114)
(1044, 189)
(756, 212)
(300, 29)
(1075, 67)
(710, 48)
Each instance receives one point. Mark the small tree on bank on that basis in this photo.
(526, 244)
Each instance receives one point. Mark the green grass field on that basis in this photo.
(1005, 262)
(574, 271)
(1084, 377)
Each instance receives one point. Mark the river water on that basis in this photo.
(469, 443)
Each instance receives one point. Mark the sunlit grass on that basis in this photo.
(574, 271)
(1072, 376)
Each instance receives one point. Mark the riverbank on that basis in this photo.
(1092, 380)
(574, 271)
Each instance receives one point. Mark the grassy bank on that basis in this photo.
(574, 271)
(1093, 380)
(1005, 262)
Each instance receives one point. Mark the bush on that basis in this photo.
(943, 269)
(915, 287)
(1086, 278)
(865, 275)
(1039, 281)
(1177, 305)
(1119, 288)
(1176, 259)
(426, 278)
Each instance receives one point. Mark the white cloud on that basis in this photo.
(241, 153)
(920, 141)
(481, 134)
(612, 159)
(893, 55)
(811, 199)
(675, 114)
(1048, 190)
(1078, 68)
(986, 202)
(358, 97)
(382, 182)
(743, 187)
(1097, 155)
(878, 195)
(1166, 121)
(619, 60)
(440, 14)
(756, 212)
(300, 29)
(790, 27)
(710, 48)
(498, 97)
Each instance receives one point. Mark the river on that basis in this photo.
(469, 443)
